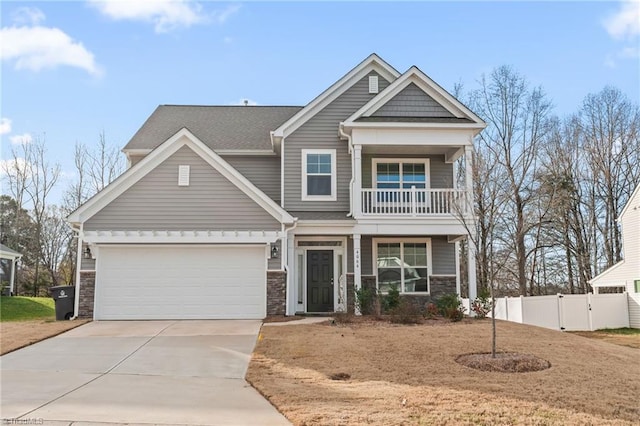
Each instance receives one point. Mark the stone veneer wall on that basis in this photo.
(87, 294)
(439, 285)
(276, 292)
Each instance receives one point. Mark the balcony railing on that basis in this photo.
(413, 202)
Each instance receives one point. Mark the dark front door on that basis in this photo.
(319, 281)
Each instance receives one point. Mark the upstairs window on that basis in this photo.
(400, 174)
(319, 174)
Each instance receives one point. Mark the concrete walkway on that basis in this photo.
(138, 372)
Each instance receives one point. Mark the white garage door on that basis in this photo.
(180, 282)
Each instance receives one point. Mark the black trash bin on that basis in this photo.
(64, 296)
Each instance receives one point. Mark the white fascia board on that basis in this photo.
(182, 138)
(409, 227)
(600, 279)
(317, 227)
(10, 256)
(411, 125)
(372, 63)
(634, 202)
(181, 237)
(136, 151)
(443, 137)
(430, 87)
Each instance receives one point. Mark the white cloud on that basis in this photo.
(227, 40)
(5, 125)
(222, 16)
(244, 101)
(165, 15)
(34, 47)
(625, 23)
(27, 16)
(25, 138)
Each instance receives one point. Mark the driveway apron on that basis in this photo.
(138, 372)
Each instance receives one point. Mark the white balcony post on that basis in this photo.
(357, 183)
(357, 267)
(471, 263)
(468, 174)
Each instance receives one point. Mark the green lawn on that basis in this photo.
(20, 308)
(625, 331)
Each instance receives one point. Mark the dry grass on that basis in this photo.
(630, 340)
(18, 334)
(408, 375)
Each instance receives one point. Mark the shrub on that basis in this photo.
(392, 299)
(451, 307)
(364, 300)
(405, 313)
(481, 306)
(431, 310)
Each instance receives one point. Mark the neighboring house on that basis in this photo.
(248, 211)
(626, 273)
(8, 262)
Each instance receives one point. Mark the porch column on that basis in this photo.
(12, 277)
(471, 263)
(76, 299)
(458, 254)
(357, 182)
(468, 174)
(357, 267)
(290, 247)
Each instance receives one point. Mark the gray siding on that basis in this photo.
(412, 102)
(321, 132)
(366, 254)
(443, 256)
(262, 171)
(274, 263)
(156, 202)
(87, 264)
(441, 173)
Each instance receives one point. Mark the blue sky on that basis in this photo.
(73, 69)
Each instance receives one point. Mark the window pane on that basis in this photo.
(325, 168)
(389, 277)
(388, 172)
(415, 279)
(415, 254)
(318, 185)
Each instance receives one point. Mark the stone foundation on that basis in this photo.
(439, 286)
(87, 294)
(276, 292)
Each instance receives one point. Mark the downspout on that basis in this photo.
(345, 135)
(76, 299)
(285, 259)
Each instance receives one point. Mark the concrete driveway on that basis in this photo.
(159, 372)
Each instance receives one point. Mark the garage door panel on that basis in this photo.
(186, 282)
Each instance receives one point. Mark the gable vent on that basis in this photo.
(373, 84)
(183, 175)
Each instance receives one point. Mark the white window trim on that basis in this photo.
(375, 242)
(401, 161)
(333, 195)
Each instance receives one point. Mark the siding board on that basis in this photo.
(321, 132)
(412, 102)
(156, 202)
(262, 171)
(441, 173)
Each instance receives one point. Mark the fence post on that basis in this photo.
(589, 311)
(506, 308)
(522, 321)
(560, 311)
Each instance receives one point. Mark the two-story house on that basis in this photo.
(248, 211)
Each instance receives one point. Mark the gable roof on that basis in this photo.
(221, 128)
(372, 63)
(7, 253)
(633, 202)
(183, 137)
(459, 114)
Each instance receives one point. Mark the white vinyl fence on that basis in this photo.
(571, 312)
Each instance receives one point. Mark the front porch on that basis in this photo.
(324, 271)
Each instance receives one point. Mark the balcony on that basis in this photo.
(413, 202)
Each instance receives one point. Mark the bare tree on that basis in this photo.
(517, 124)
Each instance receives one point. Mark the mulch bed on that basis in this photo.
(504, 362)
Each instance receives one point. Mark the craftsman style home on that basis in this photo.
(248, 211)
